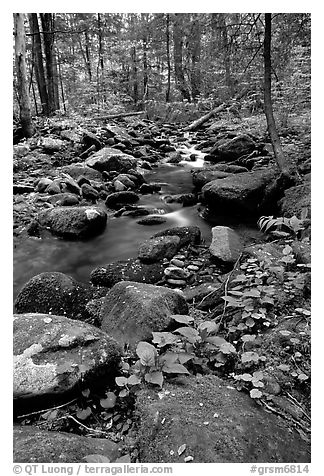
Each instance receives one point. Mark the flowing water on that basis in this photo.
(122, 236)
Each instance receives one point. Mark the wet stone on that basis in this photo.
(177, 262)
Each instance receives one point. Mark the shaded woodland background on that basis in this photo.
(175, 66)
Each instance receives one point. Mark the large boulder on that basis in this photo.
(126, 270)
(108, 159)
(201, 177)
(226, 245)
(54, 293)
(296, 199)
(156, 249)
(187, 234)
(73, 222)
(232, 149)
(217, 424)
(32, 445)
(239, 193)
(53, 355)
(76, 170)
(132, 311)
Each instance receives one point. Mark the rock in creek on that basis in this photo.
(53, 355)
(187, 234)
(55, 293)
(108, 159)
(217, 424)
(132, 311)
(156, 249)
(73, 222)
(118, 199)
(126, 270)
(226, 245)
(232, 149)
(239, 193)
(32, 445)
(77, 170)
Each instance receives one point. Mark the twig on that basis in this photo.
(84, 426)
(226, 286)
(296, 402)
(273, 410)
(47, 409)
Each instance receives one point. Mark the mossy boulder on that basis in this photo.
(127, 270)
(131, 311)
(56, 293)
(156, 249)
(187, 234)
(32, 445)
(73, 222)
(53, 355)
(217, 424)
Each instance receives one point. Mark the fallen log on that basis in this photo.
(122, 114)
(199, 122)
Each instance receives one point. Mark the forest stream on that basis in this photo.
(123, 235)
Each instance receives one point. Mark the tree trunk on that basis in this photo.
(87, 54)
(275, 140)
(178, 66)
(134, 74)
(195, 57)
(226, 54)
(48, 35)
(167, 94)
(20, 57)
(38, 61)
(145, 69)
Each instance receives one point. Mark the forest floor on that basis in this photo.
(261, 311)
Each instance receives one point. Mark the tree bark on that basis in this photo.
(134, 74)
(282, 162)
(226, 54)
(20, 57)
(178, 66)
(195, 57)
(167, 94)
(38, 61)
(51, 71)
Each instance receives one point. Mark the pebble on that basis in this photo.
(181, 257)
(197, 262)
(175, 272)
(192, 267)
(177, 262)
(176, 282)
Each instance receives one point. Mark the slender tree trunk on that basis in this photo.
(100, 50)
(134, 74)
(178, 66)
(87, 54)
(145, 69)
(275, 140)
(20, 57)
(226, 55)
(48, 34)
(195, 57)
(167, 94)
(38, 61)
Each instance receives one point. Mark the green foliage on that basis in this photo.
(269, 224)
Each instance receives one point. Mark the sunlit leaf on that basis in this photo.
(189, 333)
(164, 338)
(147, 353)
(175, 369)
(121, 381)
(84, 414)
(182, 319)
(133, 380)
(255, 393)
(109, 401)
(156, 378)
